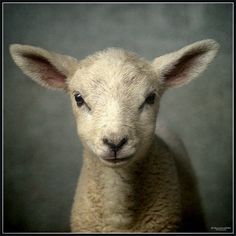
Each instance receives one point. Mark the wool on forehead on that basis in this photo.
(112, 68)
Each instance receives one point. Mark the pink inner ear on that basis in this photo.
(182, 67)
(48, 72)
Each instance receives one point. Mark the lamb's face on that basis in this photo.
(115, 99)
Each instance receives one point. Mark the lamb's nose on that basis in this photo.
(115, 146)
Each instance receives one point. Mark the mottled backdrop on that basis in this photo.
(42, 153)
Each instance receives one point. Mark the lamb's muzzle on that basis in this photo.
(114, 145)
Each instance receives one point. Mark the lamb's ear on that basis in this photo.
(180, 67)
(47, 68)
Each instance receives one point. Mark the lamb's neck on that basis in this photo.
(117, 186)
(119, 200)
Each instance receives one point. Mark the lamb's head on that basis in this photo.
(115, 94)
(115, 97)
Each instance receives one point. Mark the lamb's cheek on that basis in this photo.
(147, 123)
(87, 130)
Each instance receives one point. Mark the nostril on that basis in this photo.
(122, 142)
(105, 141)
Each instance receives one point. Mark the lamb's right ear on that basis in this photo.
(47, 68)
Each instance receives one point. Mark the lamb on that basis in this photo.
(132, 180)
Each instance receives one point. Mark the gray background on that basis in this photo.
(42, 153)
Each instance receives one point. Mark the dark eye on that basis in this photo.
(150, 99)
(79, 100)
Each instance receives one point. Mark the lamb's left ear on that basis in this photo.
(49, 69)
(180, 67)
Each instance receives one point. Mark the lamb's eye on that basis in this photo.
(79, 100)
(150, 99)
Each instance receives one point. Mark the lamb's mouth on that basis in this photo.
(115, 160)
